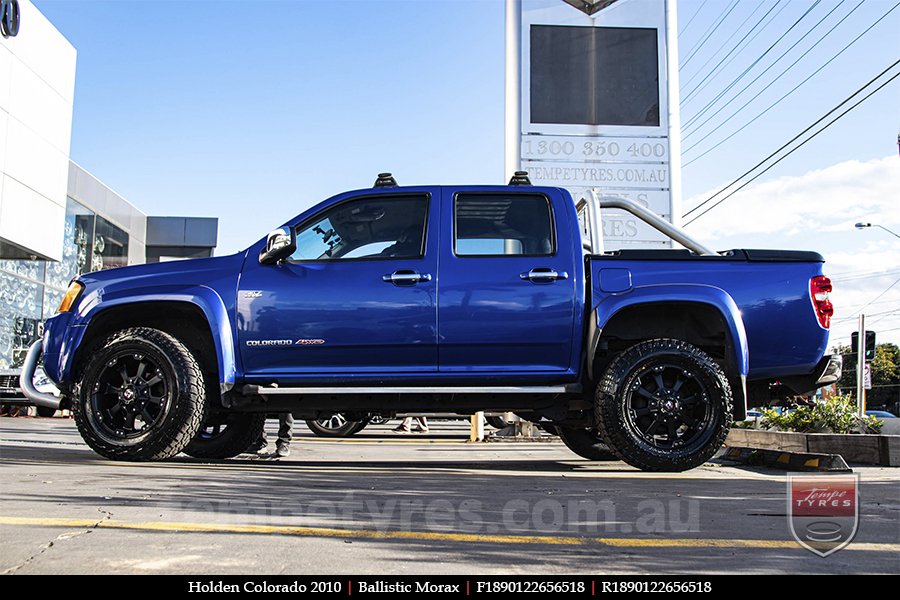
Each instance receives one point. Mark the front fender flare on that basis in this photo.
(204, 298)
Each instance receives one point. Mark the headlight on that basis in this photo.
(75, 289)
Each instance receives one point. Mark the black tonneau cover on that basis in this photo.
(736, 255)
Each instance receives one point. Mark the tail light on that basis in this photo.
(819, 289)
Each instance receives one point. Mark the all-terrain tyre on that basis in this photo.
(139, 396)
(226, 434)
(586, 443)
(664, 405)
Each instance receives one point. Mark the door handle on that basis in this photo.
(405, 277)
(543, 275)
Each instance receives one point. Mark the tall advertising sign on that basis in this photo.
(592, 102)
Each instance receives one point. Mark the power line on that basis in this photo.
(758, 77)
(768, 85)
(886, 312)
(850, 97)
(803, 143)
(896, 281)
(888, 317)
(853, 272)
(860, 277)
(791, 91)
(744, 73)
(850, 307)
(691, 20)
(714, 54)
(708, 33)
(741, 46)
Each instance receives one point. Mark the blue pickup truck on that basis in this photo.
(455, 298)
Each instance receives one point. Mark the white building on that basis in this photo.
(57, 220)
(37, 85)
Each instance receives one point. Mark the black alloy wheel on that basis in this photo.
(139, 395)
(664, 405)
(130, 395)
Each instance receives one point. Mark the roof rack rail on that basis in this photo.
(520, 178)
(385, 180)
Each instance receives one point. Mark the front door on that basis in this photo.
(357, 296)
(507, 298)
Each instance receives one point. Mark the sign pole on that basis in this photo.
(513, 139)
(861, 366)
(674, 104)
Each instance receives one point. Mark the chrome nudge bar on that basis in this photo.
(26, 379)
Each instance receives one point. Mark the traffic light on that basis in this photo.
(870, 344)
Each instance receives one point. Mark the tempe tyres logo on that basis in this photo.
(9, 18)
(823, 511)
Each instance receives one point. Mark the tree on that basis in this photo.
(885, 377)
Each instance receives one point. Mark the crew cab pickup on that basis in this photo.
(456, 298)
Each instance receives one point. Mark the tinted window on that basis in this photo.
(382, 227)
(110, 246)
(496, 224)
(594, 75)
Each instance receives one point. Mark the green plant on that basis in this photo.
(832, 415)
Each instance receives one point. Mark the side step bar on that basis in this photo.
(26, 379)
(301, 391)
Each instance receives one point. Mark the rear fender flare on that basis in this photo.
(607, 309)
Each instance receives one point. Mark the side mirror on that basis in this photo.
(280, 244)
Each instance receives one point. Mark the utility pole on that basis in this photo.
(861, 366)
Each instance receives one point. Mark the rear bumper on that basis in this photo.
(828, 371)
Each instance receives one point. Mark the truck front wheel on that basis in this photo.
(225, 435)
(139, 396)
(664, 405)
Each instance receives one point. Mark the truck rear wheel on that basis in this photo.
(586, 443)
(225, 435)
(139, 396)
(664, 405)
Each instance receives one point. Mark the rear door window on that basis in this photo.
(503, 225)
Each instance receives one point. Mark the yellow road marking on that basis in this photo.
(185, 527)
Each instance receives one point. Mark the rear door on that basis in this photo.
(507, 295)
(356, 297)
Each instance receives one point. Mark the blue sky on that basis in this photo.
(253, 111)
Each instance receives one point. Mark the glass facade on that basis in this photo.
(30, 290)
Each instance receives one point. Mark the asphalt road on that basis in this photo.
(385, 503)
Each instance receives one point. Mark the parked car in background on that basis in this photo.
(11, 394)
(881, 414)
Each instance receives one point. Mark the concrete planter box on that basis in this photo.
(881, 450)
